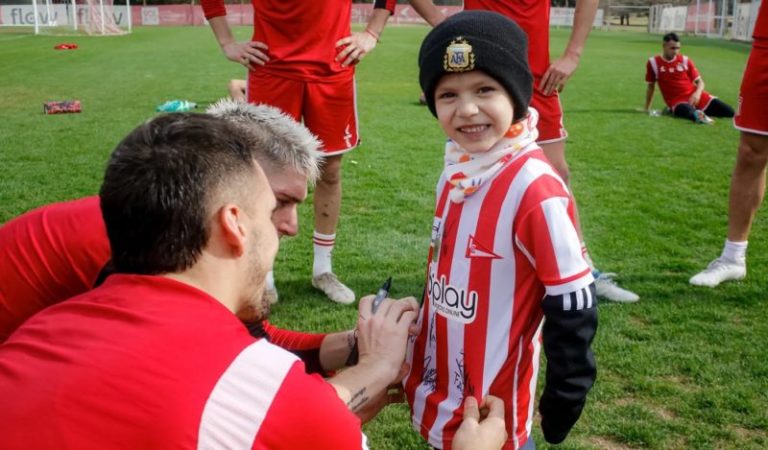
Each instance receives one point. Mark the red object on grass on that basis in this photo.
(65, 47)
(67, 106)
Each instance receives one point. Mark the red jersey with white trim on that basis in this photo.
(149, 362)
(301, 36)
(48, 255)
(492, 260)
(752, 112)
(675, 79)
(533, 18)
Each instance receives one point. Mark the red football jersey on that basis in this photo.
(149, 362)
(301, 36)
(675, 79)
(48, 255)
(752, 111)
(492, 260)
(533, 18)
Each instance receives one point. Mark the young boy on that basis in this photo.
(504, 253)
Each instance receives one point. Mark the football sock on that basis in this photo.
(323, 244)
(735, 251)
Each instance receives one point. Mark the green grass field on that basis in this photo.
(684, 368)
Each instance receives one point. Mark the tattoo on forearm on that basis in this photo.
(357, 400)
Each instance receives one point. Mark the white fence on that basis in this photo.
(563, 17)
(711, 18)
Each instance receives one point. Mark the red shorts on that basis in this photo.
(329, 110)
(752, 110)
(550, 110)
(704, 101)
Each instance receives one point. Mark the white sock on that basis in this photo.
(735, 251)
(323, 244)
(270, 280)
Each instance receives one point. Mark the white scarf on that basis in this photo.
(467, 171)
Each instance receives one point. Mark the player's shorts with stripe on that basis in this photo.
(550, 110)
(752, 111)
(329, 110)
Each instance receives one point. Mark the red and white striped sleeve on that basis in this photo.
(545, 232)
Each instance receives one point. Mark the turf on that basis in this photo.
(684, 368)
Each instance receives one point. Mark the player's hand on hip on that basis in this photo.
(483, 425)
(352, 49)
(383, 336)
(250, 54)
(557, 74)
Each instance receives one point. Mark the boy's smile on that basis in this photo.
(473, 109)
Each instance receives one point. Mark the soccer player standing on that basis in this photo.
(748, 180)
(301, 59)
(549, 78)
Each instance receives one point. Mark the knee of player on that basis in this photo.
(753, 150)
(331, 171)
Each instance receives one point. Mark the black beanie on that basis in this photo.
(478, 40)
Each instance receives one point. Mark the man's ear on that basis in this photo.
(230, 218)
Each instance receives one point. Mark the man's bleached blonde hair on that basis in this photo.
(279, 140)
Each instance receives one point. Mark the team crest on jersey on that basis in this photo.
(475, 249)
(663, 69)
(449, 301)
(680, 68)
(459, 56)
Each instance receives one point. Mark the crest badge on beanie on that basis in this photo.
(478, 40)
(458, 56)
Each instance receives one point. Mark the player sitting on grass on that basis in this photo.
(681, 85)
(505, 252)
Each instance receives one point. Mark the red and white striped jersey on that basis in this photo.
(492, 260)
(149, 362)
(675, 79)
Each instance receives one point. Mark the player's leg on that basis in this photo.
(748, 179)
(330, 112)
(287, 95)
(718, 108)
(746, 195)
(552, 137)
(684, 111)
(747, 185)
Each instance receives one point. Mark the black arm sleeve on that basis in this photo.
(569, 327)
(389, 5)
